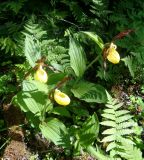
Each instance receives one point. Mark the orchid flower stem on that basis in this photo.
(44, 112)
(92, 62)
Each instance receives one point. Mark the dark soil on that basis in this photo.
(16, 149)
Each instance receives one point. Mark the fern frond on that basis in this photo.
(34, 29)
(76, 10)
(131, 152)
(15, 6)
(129, 62)
(119, 123)
(8, 45)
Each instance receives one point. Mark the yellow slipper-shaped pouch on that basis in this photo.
(113, 56)
(41, 75)
(61, 98)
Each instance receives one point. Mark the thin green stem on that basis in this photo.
(44, 112)
(92, 62)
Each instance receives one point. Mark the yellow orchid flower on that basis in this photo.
(113, 55)
(61, 98)
(41, 75)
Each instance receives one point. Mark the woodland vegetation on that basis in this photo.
(71, 79)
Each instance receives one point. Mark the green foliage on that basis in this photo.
(91, 93)
(131, 152)
(15, 6)
(95, 38)
(53, 130)
(127, 15)
(31, 30)
(33, 97)
(84, 135)
(98, 155)
(77, 57)
(89, 131)
(32, 50)
(119, 123)
(129, 63)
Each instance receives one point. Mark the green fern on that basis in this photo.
(76, 10)
(129, 62)
(34, 29)
(38, 44)
(14, 6)
(8, 45)
(131, 152)
(119, 123)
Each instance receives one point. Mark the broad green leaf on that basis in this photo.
(31, 101)
(53, 130)
(18, 100)
(61, 111)
(55, 78)
(79, 110)
(77, 57)
(95, 38)
(33, 85)
(33, 119)
(89, 92)
(32, 50)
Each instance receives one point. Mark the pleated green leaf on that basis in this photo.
(95, 38)
(33, 85)
(77, 57)
(31, 101)
(53, 130)
(33, 97)
(89, 92)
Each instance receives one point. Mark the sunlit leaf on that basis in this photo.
(77, 57)
(95, 38)
(53, 130)
(33, 85)
(89, 92)
(61, 111)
